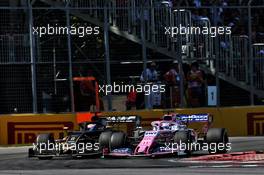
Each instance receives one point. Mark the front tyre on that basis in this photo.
(45, 158)
(215, 137)
(183, 139)
(118, 140)
(46, 144)
(104, 139)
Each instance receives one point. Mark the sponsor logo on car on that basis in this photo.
(194, 117)
(151, 133)
(124, 119)
(122, 150)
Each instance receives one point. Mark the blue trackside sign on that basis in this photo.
(193, 117)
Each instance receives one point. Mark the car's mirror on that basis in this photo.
(104, 121)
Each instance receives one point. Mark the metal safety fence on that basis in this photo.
(39, 70)
(258, 55)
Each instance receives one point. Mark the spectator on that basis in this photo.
(145, 4)
(181, 3)
(131, 100)
(150, 74)
(195, 83)
(159, 3)
(172, 78)
(197, 3)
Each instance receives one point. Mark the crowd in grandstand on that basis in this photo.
(233, 17)
(193, 83)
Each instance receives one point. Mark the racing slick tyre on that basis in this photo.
(215, 137)
(184, 140)
(45, 158)
(104, 139)
(45, 138)
(44, 142)
(118, 140)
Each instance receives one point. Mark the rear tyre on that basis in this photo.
(104, 139)
(46, 143)
(183, 140)
(45, 138)
(45, 158)
(31, 152)
(215, 137)
(118, 140)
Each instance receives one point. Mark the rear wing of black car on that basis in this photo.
(123, 119)
(126, 123)
(111, 120)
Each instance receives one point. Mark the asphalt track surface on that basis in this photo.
(15, 161)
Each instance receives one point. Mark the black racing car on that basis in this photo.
(85, 142)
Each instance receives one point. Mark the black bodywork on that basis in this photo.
(74, 142)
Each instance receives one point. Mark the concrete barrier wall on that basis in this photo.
(23, 128)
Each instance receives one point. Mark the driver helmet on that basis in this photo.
(165, 126)
(90, 127)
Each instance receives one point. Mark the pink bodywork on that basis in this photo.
(146, 143)
(149, 138)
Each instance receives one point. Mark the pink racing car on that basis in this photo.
(170, 136)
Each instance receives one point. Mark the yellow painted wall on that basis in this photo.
(21, 128)
(232, 118)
